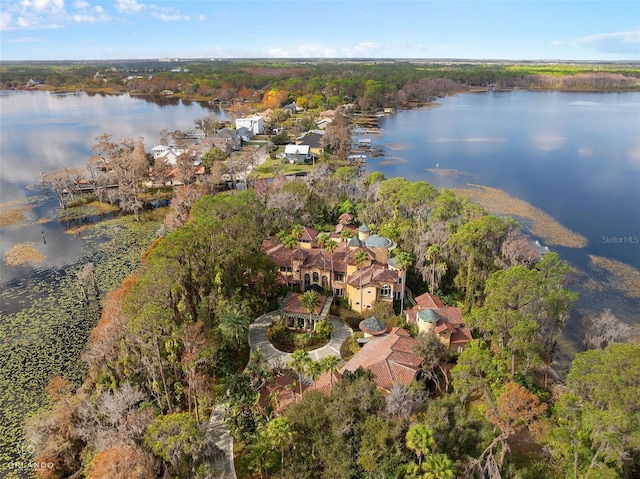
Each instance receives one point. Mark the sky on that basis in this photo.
(582, 30)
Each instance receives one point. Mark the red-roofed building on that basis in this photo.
(390, 358)
(311, 266)
(430, 314)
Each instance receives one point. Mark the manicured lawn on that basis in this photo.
(268, 169)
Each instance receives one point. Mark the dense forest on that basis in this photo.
(313, 84)
(171, 347)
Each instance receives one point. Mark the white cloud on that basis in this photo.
(165, 14)
(48, 14)
(616, 42)
(129, 6)
(302, 51)
(363, 49)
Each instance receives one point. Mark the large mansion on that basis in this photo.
(361, 278)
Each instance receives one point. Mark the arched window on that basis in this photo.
(316, 277)
(385, 291)
(325, 281)
(307, 279)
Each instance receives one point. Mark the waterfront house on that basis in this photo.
(254, 123)
(298, 154)
(363, 283)
(430, 314)
(390, 358)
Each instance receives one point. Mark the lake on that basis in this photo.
(42, 131)
(576, 156)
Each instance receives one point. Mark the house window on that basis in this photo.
(338, 276)
(316, 277)
(400, 280)
(325, 281)
(283, 268)
(307, 279)
(385, 291)
(339, 292)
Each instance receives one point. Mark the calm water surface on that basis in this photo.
(42, 131)
(576, 156)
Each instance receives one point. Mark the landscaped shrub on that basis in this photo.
(324, 329)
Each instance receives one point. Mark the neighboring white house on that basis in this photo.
(254, 123)
(298, 153)
(169, 153)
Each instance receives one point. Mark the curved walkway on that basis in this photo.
(258, 339)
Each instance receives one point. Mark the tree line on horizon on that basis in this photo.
(315, 84)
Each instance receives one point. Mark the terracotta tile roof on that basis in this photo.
(285, 388)
(324, 383)
(280, 255)
(308, 234)
(316, 258)
(389, 358)
(375, 275)
(295, 306)
(449, 318)
(428, 301)
(346, 219)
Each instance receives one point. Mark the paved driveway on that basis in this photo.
(258, 339)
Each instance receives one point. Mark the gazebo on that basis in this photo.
(296, 316)
(372, 327)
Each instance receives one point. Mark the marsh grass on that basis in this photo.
(450, 172)
(15, 212)
(45, 323)
(23, 253)
(499, 202)
(393, 160)
(618, 275)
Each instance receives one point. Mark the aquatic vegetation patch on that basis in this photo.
(450, 172)
(399, 146)
(45, 322)
(23, 253)
(14, 212)
(393, 160)
(619, 276)
(499, 202)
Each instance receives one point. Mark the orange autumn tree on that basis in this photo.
(123, 462)
(274, 98)
(515, 407)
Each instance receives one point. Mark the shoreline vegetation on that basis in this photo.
(499, 202)
(619, 276)
(407, 83)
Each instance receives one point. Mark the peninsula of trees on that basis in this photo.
(171, 348)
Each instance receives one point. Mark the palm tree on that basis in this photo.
(234, 327)
(360, 258)
(280, 435)
(330, 364)
(314, 368)
(439, 466)
(298, 362)
(345, 235)
(403, 261)
(420, 440)
(310, 300)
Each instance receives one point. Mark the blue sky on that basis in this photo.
(507, 29)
